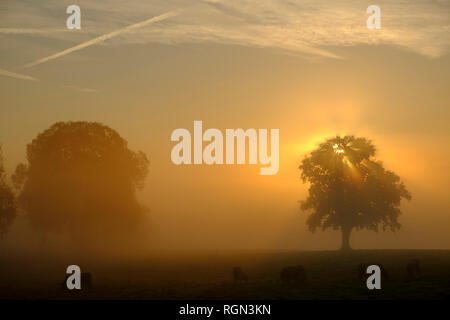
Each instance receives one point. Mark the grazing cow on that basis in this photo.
(86, 281)
(362, 270)
(413, 269)
(239, 276)
(295, 274)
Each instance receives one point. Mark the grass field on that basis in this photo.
(331, 275)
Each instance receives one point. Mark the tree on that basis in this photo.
(349, 189)
(8, 204)
(82, 179)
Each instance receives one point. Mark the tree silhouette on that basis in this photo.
(349, 189)
(8, 204)
(81, 178)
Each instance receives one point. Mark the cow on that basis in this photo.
(362, 270)
(86, 280)
(293, 274)
(239, 276)
(413, 269)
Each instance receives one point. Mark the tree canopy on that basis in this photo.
(8, 204)
(81, 178)
(349, 189)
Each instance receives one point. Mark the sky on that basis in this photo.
(311, 69)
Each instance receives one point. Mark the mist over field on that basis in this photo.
(230, 66)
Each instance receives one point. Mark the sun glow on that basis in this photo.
(338, 149)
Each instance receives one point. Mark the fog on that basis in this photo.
(397, 99)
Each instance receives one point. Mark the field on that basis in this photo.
(331, 275)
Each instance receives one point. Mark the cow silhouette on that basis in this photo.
(86, 280)
(293, 274)
(239, 276)
(362, 270)
(413, 269)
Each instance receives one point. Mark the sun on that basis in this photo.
(338, 149)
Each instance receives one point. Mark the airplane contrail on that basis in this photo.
(102, 38)
(16, 75)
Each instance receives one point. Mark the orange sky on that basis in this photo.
(394, 95)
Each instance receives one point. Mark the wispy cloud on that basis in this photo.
(31, 31)
(312, 27)
(20, 76)
(101, 38)
(16, 75)
(79, 89)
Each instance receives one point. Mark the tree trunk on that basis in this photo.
(346, 231)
